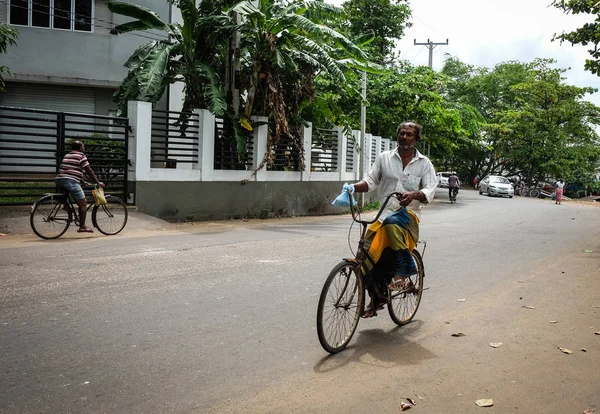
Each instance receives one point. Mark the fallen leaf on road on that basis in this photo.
(485, 402)
(592, 411)
(419, 397)
(447, 322)
(2, 234)
(495, 344)
(458, 334)
(583, 350)
(588, 251)
(553, 321)
(528, 307)
(597, 333)
(461, 300)
(565, 350)
(410, 400)
(520, 281)
(405, 406)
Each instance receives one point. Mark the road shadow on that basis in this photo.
(379, 347)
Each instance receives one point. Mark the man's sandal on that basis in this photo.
(402, 283)
(84, 230)
(371, 311)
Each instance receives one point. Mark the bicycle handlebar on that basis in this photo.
(397, 194)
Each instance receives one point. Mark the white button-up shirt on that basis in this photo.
(389, 175)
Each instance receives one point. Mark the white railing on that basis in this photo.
(345, 168)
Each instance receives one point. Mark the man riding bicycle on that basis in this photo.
(392, 239)
(453, 186)
(70, 174)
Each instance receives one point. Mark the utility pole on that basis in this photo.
(363, 130)
(430, 45)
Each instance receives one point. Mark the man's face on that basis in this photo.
(82, 148)
(406, 138)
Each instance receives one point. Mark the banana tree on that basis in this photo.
(284, 48)
(192, 53)
(8, 37)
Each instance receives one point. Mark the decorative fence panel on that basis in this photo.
(33, 143)
(226, 152)
(174, 138)
(374, 151)
(350, 145)
(29, 141)
(324, 151)
(287, 154)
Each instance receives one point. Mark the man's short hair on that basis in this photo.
(416, 127)
(76, 146)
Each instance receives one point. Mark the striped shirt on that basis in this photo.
(72, 166)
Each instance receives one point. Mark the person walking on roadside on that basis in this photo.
(476, 181)
(558, 191)
(70, 176)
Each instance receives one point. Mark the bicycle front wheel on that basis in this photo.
(110, 218)
(534, 193)
(50, 217)
(403, 304)
(341, 304)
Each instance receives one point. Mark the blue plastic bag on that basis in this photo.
(343, 200)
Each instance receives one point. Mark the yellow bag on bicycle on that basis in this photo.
(99, 197)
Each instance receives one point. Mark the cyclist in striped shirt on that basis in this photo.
(70, 175)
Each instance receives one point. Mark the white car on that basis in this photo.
(442, 178)
(496, 185)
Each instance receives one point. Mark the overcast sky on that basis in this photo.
(487, 32)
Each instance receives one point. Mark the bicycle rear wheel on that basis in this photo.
(534, 193)
(50, 217)
(403, 304)
(341, 304)
(110, 218)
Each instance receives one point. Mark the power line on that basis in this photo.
(112, 26)
(423, 21)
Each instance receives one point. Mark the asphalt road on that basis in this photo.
(220, 317)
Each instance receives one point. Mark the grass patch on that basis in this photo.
(24, 192)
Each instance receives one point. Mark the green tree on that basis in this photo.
(8, 37)
(193, 53)
(535, 126)
(588, 34)
(387, 20)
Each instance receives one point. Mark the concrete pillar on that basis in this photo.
(140, 121)
(356, 158)
(260, 146)
(307, 146)
(342, 143)
(206, 140)
(369, 152)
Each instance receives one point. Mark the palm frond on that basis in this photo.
(247, 9)
(217, 103)
(292, 21)
(152, 71)
(368, 67)
(326, 62)
(311, 8)
(142, 14)
(140, 54)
